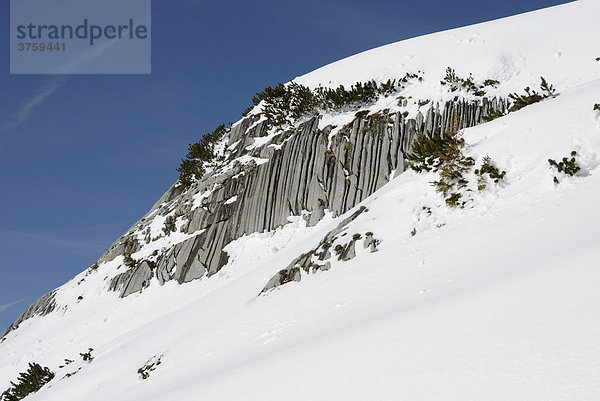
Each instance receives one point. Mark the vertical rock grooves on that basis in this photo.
(305, 169)
(307, 172)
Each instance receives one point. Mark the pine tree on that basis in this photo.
(28, 382)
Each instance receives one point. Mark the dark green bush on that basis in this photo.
(150, 366)
(468, 84)
(87, 356)
(531, 96)
(283, 104)
(597, 106)
(567, 166)
(28, 382)
(247, 111)
(429, 153)
(492, 115)
(199, 153)
(487, 167)
(445, 156)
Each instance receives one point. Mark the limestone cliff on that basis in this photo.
(266, 177)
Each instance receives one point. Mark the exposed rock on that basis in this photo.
(44, 305)
(309, 261)
(304, 170)
(370, 242)
(282, 277)
(134, 279)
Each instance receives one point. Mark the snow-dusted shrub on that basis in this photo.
(283, 104)
(488, 167)
(429, 153)
(455, 165)
(532, 96)
(199, 153)
(150, 366)
(492, 115)
(87, 356)
(28, 382)
(567, 166)
(444, 155)
(468, 84)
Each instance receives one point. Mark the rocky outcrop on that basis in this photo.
(256, 189)
(44, 305)
(318, 258)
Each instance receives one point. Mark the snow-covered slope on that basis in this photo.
(496, 301)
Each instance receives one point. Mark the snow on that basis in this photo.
(497, 301)
(231, 200)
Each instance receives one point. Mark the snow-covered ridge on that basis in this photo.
(559, 43)
(495, 301)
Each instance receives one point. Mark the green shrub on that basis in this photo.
(492, 115)
(247, 111)
(87, 356)
(199, 153)
(150, 366)
(430, 153)
(531, 96)
(567, 166)
(28, 382)
(283, 104)
(597, 106)
(444, 155)
(468, 84)
(487, 167)
(452, 172)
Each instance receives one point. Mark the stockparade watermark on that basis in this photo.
(80, 37)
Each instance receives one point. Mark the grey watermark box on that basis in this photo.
(80, 36)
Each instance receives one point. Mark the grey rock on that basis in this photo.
(134, 279)
(305, 172)
(41, 307)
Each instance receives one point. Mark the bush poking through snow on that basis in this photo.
(452, 171)
(532, 96)
(67, 362)
(430, 153)
(487, 167)
(150, 366)
(87, 356)
(597, 106)
(28, 382)
(567, 166)
(468, 84)
(444, 155)
(284, 104)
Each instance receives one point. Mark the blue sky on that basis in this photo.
(82, 158)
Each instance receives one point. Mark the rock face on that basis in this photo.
(256, 188)
(318, 259)
(44, 305)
